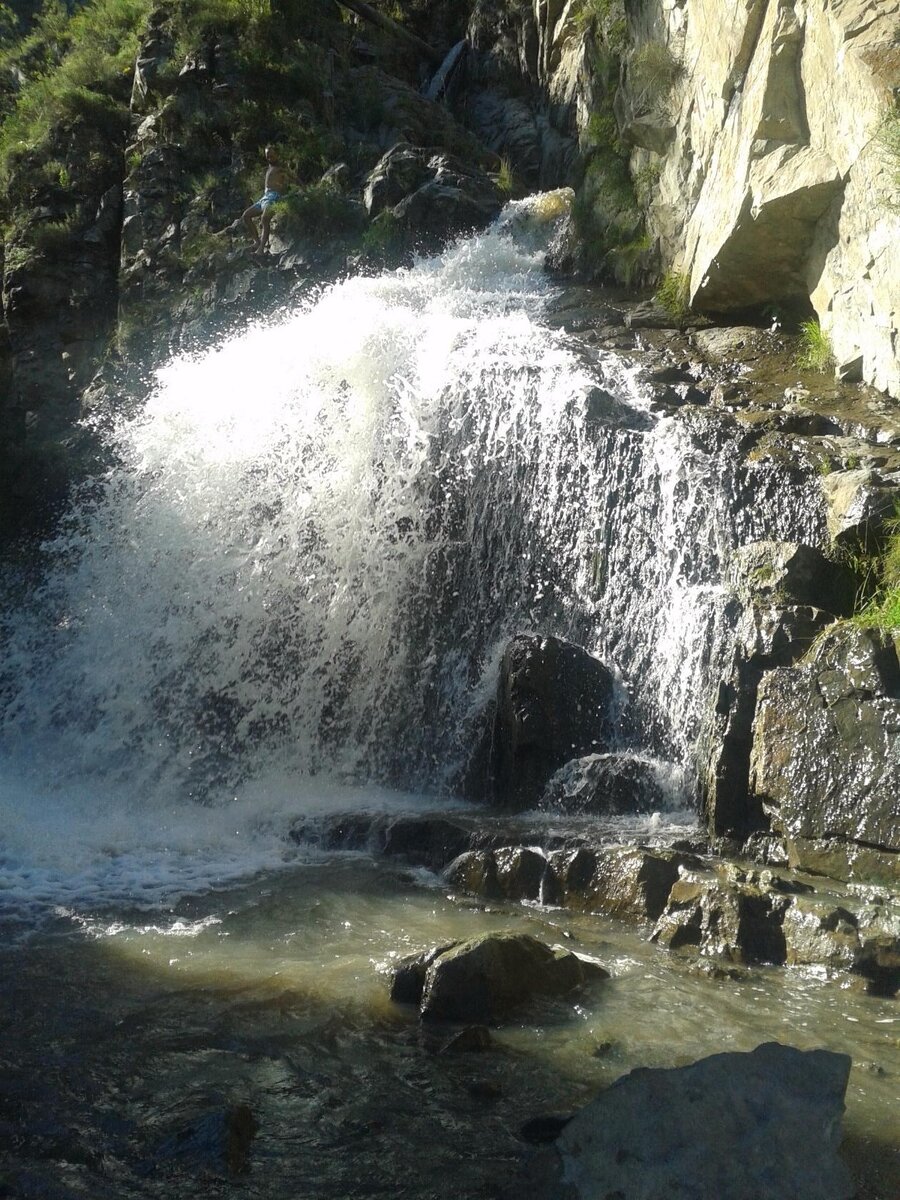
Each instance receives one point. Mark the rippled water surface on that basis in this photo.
(136, 1033)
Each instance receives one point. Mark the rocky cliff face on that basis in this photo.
(773, 184)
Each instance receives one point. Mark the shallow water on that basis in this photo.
(135, 1031)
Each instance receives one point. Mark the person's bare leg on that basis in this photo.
(264, 223)
(247, 217)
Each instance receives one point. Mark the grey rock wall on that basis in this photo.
(773, 184)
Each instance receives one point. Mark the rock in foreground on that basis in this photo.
(729, 1127)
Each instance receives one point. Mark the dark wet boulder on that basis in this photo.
(606, 783)
(729, 1127)
(768, 636)
(624, 881)
(485, 979)
(408, 976)
(216, 1142)
(825, 762)
(733, 914)
(431, 195)
(553, 704)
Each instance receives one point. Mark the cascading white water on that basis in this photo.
(315, 539)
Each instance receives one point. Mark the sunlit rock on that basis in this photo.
(487, 978)
(729, 1127)
(825, 762)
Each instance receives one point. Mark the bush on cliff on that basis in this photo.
(883, 610)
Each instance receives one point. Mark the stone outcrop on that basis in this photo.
(729, 1127)
(785, 594)
(487, 978)
(772, 184)
(553, 704)
(825, 763)
(433, 197)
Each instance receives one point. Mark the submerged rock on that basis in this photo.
(606, 783)
(729, 1127)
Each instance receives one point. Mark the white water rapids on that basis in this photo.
(293, 586)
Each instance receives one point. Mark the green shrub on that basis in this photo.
(883, 609)
(815, 353)
(653, 72)
(318, 211)
(383, 236)
(628, 259)
(505, 179)
(79, 70)
(646, 179)
(674, 293)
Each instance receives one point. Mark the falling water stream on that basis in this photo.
(288, 596)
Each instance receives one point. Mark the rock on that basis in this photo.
(606, 783)
(789, 573)
(218, 1140)
(524, 874)
(766, 637)
(431, 195)
(475, 872)
(729, 1127)
(474, 1039)
(553, 704)
(858, 501)
(487, 978)
(825, 761)
(820, 932)
(625, 881)
(408, 977)
(733, 915)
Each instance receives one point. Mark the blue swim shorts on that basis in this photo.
(266, 199)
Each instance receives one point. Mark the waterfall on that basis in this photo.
(317, 535)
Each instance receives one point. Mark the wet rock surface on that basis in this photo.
(729, 1127)
(826, 753)
(490, 977)
(553, 704)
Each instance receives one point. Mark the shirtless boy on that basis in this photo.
(278, 179)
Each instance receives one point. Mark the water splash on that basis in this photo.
(318, 533)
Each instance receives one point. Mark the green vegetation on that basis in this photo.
(629, 259)
(815, 352)
(319, 212)
(653, 72)
(883, 607)
(674, 294)
(645, 182)
(78, 69)
(505, 179)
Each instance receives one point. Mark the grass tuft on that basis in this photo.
(674, 294)
(815, 352)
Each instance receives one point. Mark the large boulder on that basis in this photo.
(431, 195)
(488, 977)
(553, 704)
(775, 184)
(729, 1127)
(825, 763)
